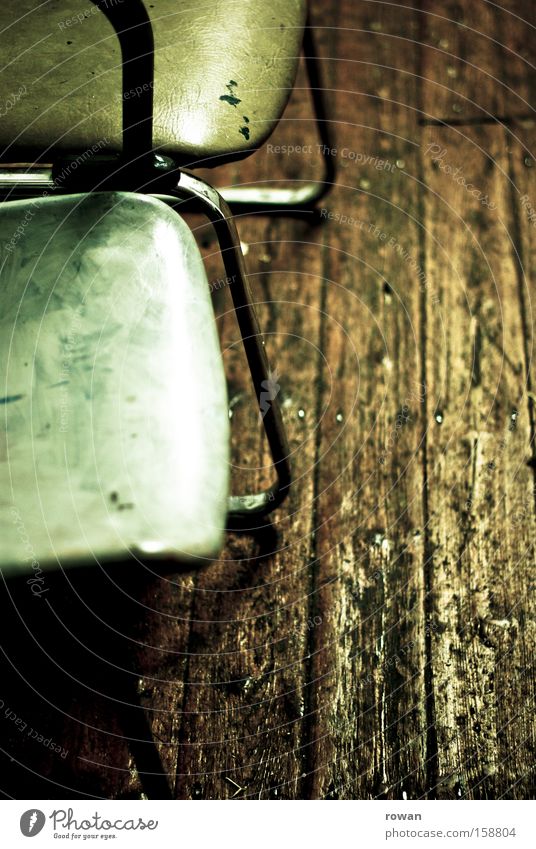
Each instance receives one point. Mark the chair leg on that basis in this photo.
(243, 199)
(244, 510)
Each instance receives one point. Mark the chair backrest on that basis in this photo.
(135, 33)
(223, 72)
(136, 165)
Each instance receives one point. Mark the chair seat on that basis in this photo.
(114, 416)
(223, 74)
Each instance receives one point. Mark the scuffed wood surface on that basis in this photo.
(378, 640)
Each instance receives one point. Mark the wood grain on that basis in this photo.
(377, 640)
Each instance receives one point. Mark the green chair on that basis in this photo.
(115, 422)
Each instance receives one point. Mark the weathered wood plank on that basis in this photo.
(459, 59)
(480, 489)
(244, 700)
(480, 530)
(242, 718)
(368, 738)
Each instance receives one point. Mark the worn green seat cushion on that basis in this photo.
(114, 426)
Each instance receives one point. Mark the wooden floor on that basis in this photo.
(378, 639)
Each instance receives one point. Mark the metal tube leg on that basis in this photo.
(244, 510)
(242, 199)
